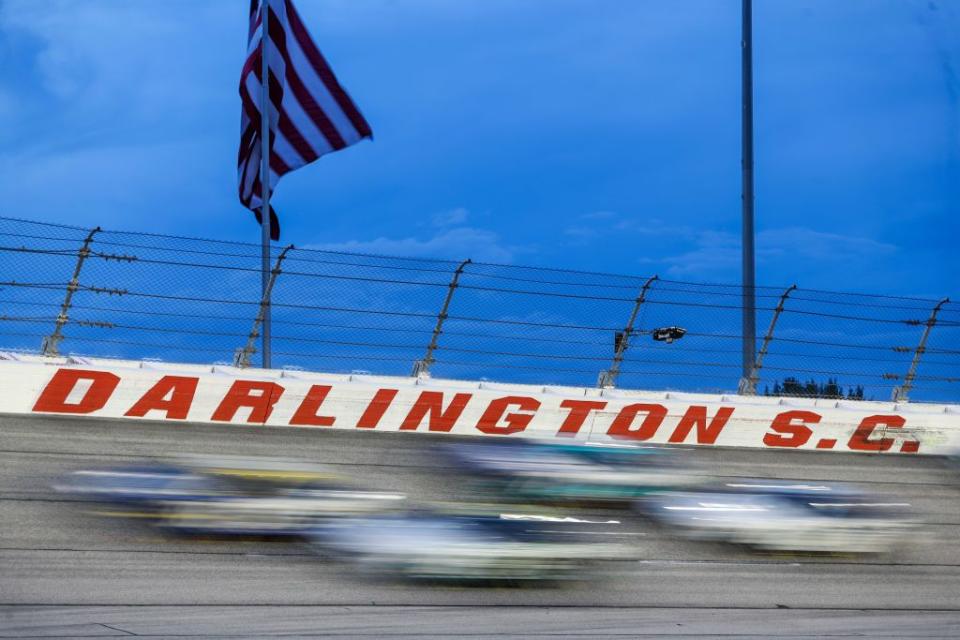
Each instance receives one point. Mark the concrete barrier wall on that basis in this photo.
(192, 393)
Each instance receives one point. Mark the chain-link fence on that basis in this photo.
(93, 292)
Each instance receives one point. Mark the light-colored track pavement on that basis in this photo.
(67, 573)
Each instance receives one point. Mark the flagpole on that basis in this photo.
(265, 184)
(749, 292)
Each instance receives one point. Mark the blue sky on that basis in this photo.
(599, 135)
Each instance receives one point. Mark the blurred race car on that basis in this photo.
(464, 547)
(551, 471)
(240, 496)
(779, 516)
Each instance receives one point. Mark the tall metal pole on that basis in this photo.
(749, 299)
(265, 181)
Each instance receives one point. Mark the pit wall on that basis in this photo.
(176, 393)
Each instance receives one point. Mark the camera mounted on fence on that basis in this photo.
(668, 334)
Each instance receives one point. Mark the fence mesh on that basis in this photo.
(147, 296)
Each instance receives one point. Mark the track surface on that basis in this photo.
(65, 573)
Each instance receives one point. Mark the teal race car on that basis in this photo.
(544, 471)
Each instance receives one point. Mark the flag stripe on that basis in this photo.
(279, 38)
(288, 130)
(320, 95)
(323, 70)
(309, 112)
(254, 19)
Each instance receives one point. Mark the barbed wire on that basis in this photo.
(145, 294)
(138, 295)
(825, 291)
(51, 319)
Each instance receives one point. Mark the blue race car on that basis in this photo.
(227, 496)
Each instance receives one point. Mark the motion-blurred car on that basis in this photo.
(528, 470)
(777, 516)
(238, 496)
(464, 547)
(141, 487)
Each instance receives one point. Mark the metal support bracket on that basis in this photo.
(902, 393)
(748, 385)
(51, 344)
(421, 368)
(608, 379)
(241, 358)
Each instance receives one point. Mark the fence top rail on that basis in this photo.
(475, 269)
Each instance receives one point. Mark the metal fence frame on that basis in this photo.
(470, 292)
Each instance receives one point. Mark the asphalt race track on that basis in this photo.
(66, 573)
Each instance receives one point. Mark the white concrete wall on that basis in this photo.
(195, 393)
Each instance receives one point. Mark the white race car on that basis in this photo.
(779, 516)
(463, 547)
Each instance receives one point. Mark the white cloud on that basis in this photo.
(95, 66)
(592, 225)
(7, 105)
(599, 215)
(818, 245)
(718, 252)
(118, 105)
(648, 226)
(452, 239)
(124, 182)
(600, 224)
(460, 243)
(451, 218)
(581, 233)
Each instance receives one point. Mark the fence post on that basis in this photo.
(902, 393)
(748, 385)
(51, 344)
(241, 358)
(608, 379)
(421, 368)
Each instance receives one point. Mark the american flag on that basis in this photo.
(310, 114)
